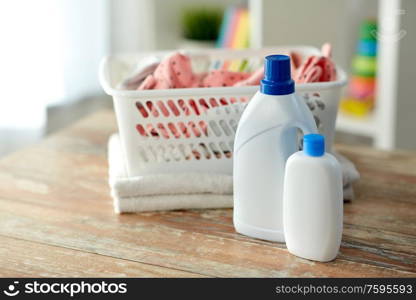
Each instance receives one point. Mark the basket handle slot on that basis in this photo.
(205, 150)
(173, 108)
(175, 132)
(194, 106)
(175, 153)
(233, 125)
(225, 150)
(195, 130)
(163, 108)
(225, 128)
(213, 125)
(184, 107)
(184, 130)
(152, 131)
(152, 108)
(213, 102)
(163, 130)
(142, 109)
(203, 104)
(141, 130)
(143, 154)
(215, 150)
(195, 152)
(204, 127)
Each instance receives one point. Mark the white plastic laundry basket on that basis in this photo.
(192, 130)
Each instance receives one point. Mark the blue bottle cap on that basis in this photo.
(277, 80)
(314, 144)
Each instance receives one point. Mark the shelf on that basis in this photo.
(365, 126)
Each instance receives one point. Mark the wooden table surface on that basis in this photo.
(56, 219)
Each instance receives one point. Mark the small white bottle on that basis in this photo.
(313, 202)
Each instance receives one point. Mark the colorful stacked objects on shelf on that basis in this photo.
(361, 90)
(234, 31)
(234, 34)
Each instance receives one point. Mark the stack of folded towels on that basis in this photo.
(164, 191)
(181, 191)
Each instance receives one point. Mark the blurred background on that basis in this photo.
(51, 50)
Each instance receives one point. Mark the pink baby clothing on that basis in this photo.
(176, 72)
(253, 79)
(218, 78)
(173, 72)
(317, 68)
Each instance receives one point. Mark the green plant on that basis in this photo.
(201, 23)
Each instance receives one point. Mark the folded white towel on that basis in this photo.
(164, 191)
(181, 191)
(171, 202)
(349, 175)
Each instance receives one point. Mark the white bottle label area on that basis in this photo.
(266, 137)
(258, 201)
(313, 206)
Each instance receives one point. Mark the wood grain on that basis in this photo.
(27, 259)
(55, 195)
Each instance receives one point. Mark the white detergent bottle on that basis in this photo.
(313, 202)
(266, 136)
